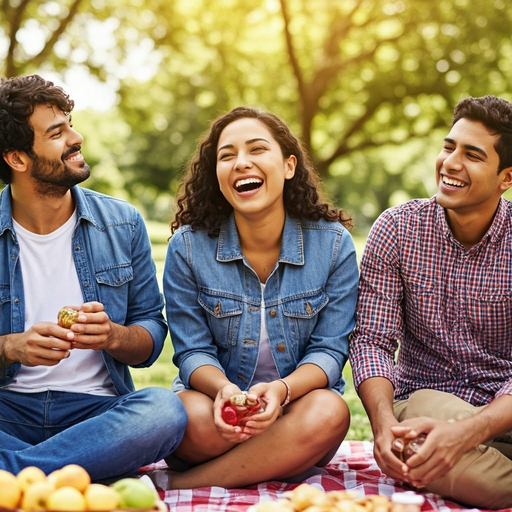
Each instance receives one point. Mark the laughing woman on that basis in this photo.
(261, 284)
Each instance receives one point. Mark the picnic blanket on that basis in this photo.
(353, 468)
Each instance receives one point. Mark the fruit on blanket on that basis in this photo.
(72, 475)
(306, 497)
(101, 497)
(240, 406)
(36, 496)
(29, 476)
(67, 317)
(10, 492)
(135, 493)
(66, 498)
(405, 448)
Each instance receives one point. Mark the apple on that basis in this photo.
(29, 476)
(10, 492)
(52, 477)
(36, 496)
(135, 493)
(72, 475)
(66, 498)
(101, 497)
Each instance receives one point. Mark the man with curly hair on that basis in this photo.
(66, 394)
(436, 282)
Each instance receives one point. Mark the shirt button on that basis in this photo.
(280, 347)
(273, 313)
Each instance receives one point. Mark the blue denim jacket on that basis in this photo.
(113, 260)
(213, 300)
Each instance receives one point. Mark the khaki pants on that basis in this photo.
(483, 477)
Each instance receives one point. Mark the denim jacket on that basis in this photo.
(213, 301)
(113, 261)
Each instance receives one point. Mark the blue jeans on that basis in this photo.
(110, 436)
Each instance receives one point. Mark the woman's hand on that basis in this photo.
(231, 433)
(270, 393)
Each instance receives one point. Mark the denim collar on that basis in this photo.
(83, 209)
(5, 210)
(292, 250)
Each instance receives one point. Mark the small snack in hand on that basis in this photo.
(405, 448)
(67, 317)
(240, 406)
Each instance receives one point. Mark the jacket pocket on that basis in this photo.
(115, 276)
(301, 314)
(223, 314)
(114, 291)
(490, 312)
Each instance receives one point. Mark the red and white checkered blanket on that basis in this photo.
(353, 468)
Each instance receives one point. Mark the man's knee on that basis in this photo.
(162, 407)
(466, 484)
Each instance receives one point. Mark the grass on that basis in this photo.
(163, 370)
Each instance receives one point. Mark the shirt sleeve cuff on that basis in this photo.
(327, 363)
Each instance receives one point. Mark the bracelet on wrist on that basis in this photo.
(288, 393)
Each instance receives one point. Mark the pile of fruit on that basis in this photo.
(70, 489)
(307, 498)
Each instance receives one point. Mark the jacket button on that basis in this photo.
(273, 313)
(280, 347)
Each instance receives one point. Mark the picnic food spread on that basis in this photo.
(70, 489)
(240, 406)
(67, 317)
(307, 498)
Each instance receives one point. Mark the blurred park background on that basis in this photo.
(368, 85)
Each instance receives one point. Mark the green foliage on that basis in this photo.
(360, 81)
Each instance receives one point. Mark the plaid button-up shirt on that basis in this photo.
(447, 308)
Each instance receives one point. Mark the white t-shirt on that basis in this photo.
(50, 282)
(266, 370)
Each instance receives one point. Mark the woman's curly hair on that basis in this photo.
(202, 205)
(18, 98)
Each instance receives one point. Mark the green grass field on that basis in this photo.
(163, 371)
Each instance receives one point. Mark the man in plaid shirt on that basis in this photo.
(436, 289)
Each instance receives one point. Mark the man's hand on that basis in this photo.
(44, 344)
(444, 446)
(387, 461)
(377, 396)
(94, 329)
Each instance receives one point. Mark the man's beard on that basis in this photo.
(54, 177)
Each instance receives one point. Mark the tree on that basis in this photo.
(348, 77)
(352, 78)
(394, 69)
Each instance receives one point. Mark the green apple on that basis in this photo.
(135, 493)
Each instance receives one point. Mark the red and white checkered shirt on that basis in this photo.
(448, 308)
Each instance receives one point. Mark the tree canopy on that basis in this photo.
(368, 85)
